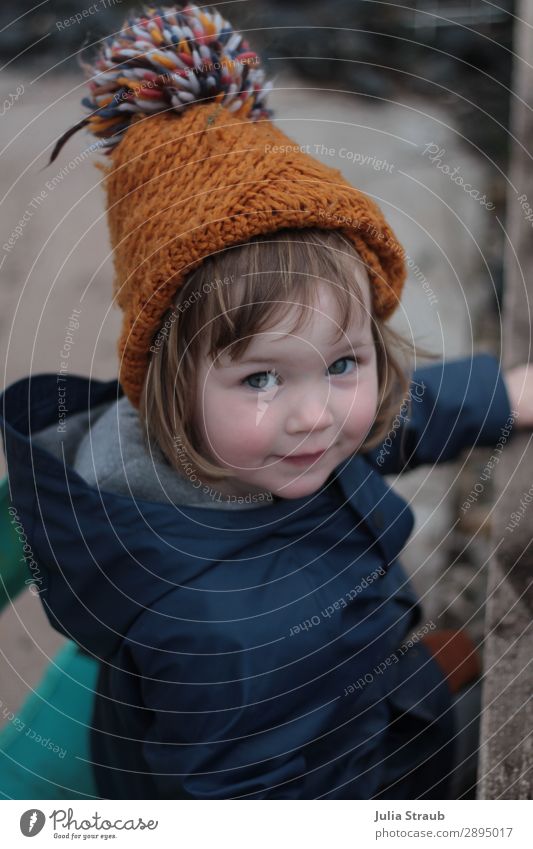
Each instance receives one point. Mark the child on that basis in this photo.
(215, 529)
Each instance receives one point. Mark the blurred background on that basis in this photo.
(399, 97)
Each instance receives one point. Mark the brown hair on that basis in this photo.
(217, 308)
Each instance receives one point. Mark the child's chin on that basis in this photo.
(300, 488)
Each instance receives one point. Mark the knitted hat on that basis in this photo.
(178, 103)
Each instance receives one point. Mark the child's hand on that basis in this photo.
(519, 385)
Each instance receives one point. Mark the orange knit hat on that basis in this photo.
(197, 166)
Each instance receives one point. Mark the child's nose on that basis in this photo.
(309, 411)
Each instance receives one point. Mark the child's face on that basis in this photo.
(315, 399)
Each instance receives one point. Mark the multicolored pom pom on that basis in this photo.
(166, 60)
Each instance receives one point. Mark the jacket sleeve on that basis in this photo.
(215, 732)
(453, 405)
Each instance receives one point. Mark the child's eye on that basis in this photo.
(261, 375)
(343, 360)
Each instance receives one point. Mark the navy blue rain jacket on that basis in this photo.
(251, 653)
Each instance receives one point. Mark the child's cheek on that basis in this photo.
(238, 427)
(361, 413)
(252, 425)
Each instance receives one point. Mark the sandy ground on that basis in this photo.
(62, 260)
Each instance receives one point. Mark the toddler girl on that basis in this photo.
(215, 528)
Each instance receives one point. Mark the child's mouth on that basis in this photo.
(303, 459)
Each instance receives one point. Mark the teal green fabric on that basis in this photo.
(13, 570)
(44, 748)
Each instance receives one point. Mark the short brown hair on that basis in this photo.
(217, 307)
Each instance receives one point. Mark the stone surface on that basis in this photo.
(506, 753)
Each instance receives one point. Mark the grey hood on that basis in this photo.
(109, 451)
